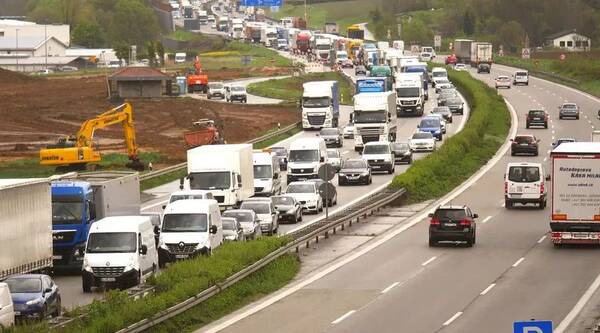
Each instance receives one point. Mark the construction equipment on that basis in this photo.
(76, 151)
(205, 133)
(196, 81)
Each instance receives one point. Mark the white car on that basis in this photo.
(335, 158)
(502, 81)
(307, 194)
(348, 131)
(425, 56)
(441, 85)
(460, 67)
(521, 77)
(216, 89)
(248, 220)
(379, 155)
(524, 184)
(442, 120)
(422, 141)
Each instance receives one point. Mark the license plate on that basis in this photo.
(182, 256)
(537, 118)
(524, 144)
(519, 188)
(581, 235)
(56, 257)
(450, 224)
(376, 167)
(108, 279)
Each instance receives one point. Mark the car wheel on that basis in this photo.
(86, 284)
(58, 310)
(432, 242)
(474, 239)
(527, 126)
(542, 204)
(44, 312)
(508, 204)
(470, 242)
(560, 117)
(577, 118)
(391, 170)
(512, 153)
(320, 209)
(545, 125)
(208, 97)
(300, 218)
(536, 153)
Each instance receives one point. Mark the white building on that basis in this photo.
(12, 28)
(31, 47)
(569, 40)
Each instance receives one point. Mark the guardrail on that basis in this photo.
(301, 237)
(183, 165)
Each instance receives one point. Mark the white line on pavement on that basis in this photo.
(337, 321)
(518, 262)
(541, 239)
(429, 261)
(578, 306)
(486, 290)
(486, 219)
(390, 287)
(453, 318)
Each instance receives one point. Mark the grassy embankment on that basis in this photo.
(464, 153)
(290, 89)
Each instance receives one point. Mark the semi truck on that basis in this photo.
(203, 17)
(481, 53)
(323, 48)
(268, 36)
(81, 199)
(224, 170)
(374, 118)
(302, 42)
(462, 50)
(320, 104)
(223, 23)
(420, 67)
(575, 199)
(26, 221)
(410, 94)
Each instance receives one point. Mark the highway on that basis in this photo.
(403, 285)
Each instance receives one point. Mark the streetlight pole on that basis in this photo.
(17, 49)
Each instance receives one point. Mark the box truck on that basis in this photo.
(410, 94)
(320, 104)
(481, 53)
(462, 50)
(374, 118)
(80, 200)
(224, 170)
(575, 195)
(26, 224)
(268, 36)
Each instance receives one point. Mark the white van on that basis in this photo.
(267, 176)
(7, 310)
(189, 228)
(306, 156)
(438, 74)
(180, 57)
(120, 251)
(524, 184)
(521, 77)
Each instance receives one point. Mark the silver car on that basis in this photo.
(332, 136)
(348, 131)
(268, 216)
(247, 219)
(232, 229)
(568, 110)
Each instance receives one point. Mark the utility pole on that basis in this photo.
(17, 49)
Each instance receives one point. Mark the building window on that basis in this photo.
(585, 43)
(577, 43)
(570, 43)
(562, 43)
(1, 33)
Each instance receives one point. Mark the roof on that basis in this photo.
(16, 22)
(119, 223)
(578, 148)
(26, 42)
(189, 206)
(10, 183)
(139, 73)
(563, 33)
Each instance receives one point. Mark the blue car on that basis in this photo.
(432, 125)
(34, 295)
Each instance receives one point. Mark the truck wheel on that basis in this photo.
(86, 285)
(508, 204)
(542, 204)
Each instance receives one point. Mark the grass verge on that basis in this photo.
(290, 89)
(464, 153)
(177, 283)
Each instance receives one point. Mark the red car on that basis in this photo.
(451, 60)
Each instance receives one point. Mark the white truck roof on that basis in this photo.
(439, 69)
(190, 206)
(317, 88)
(120, 224)
(578, 148)
(262, 158)
(8, 183)
(373, 101)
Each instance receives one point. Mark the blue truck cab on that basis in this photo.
(420, 68)
(432, 125)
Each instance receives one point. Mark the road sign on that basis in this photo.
(327, 190)
(533, 326)
(261, 3)
(526, 53)
(437, 41)
(326, 172)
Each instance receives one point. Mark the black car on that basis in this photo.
(354, 171)
(536, 118)
(445, 95)
(455, 104)
(524, 144)
(402, 152)
(452, 223)
(444, 111)
(282, 155)
(289, 209)
(333, 137)
(330, 193)
(484, 68)
(360, 70)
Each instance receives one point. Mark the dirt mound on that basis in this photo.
(7, 76)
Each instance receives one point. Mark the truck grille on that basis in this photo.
(302, 171)
(408, 103)
(258, 189)
(370, 138)
(185, 249)
(108, 271)
(316, 120)
(63, 237)
(219, 198)
(370, 131)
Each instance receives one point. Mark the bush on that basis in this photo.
(464, 153)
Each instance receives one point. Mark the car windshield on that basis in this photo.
(524, 174)
(329, 131)
(301, 188)
(569, 106)
(401, 146)
(342, 56)
(454, 214)
(440, 74)
(536, 113)
(229, 224)
(240, 216)
(210, 180)
(376, 149)
(286, 201)
(370, 117)
(503, 78)
(185, 223)
(430, 122)
(24, 285)
(521, 74)
(257, 207)
(67, 210)
(333, 154)
(407, 92)
(441, 110)
(448, 93)
(355, 165)
(315, 102)
(523, 139)
(422, 136)
(262, 171)
(304, 156)
(238, 89)
(111, 242)
(453, 100)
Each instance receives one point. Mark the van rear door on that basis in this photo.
(524, 181)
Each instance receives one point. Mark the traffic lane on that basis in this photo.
(71, 291)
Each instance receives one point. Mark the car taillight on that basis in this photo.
(465, 222)
(435, 221)
(542, 188)
(505, 187)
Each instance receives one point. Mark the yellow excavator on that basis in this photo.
(75, 152)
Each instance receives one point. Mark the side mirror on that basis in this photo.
(213, 229)
(322, 159)
(418, 126)
(475, 215)
(156, 230)
(47, 290)
(143, 249)
(164, 206)
(430, 214)
(180, 184)
(275, 175)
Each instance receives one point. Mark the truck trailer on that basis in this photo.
(481, 53)
(26, 221)
(462, 50)
(374, 118)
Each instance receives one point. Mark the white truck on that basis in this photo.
(320, 104)
(306, 156)
(26, 224)
(410, 94)
(323, 48)
(398, 45)
(595, 136)
(237, 28)
(223, 23)
(575, 194)
(481, 53)
(224, 170)
(268, 36)
(203, 17)
(374, 118)
(267, 175)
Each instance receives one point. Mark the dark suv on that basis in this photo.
(537, 118)
(483, 68)
(524, 144)
(452, 223)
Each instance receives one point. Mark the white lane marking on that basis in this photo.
(545, 159)
(541, 239)
(486, 219)
(429, 261)
(553, 132)
(552, 125)
(487, 290)
(589, 121)
(564, 324)
(518, 262)
(453, 318)
(390, 287)
(346, 315)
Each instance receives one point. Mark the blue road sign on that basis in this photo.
(261, 3)
(539, 326)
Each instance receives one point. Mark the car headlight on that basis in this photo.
(437, 131)
(34, 301)
(130, 265)
(342, 174)
(201, 245)
(366, 173)
(162, 244)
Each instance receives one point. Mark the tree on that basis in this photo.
(468, 23)
(511, 34)
(160, 51)
(88, 34)
(151, 50)
(133, 22)
(122, 51)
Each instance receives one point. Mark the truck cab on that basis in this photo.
(306, 156)
(420, 68)
(410, 94)
(320, 104)
(323, 48)
(374, 118)
(267, 176)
